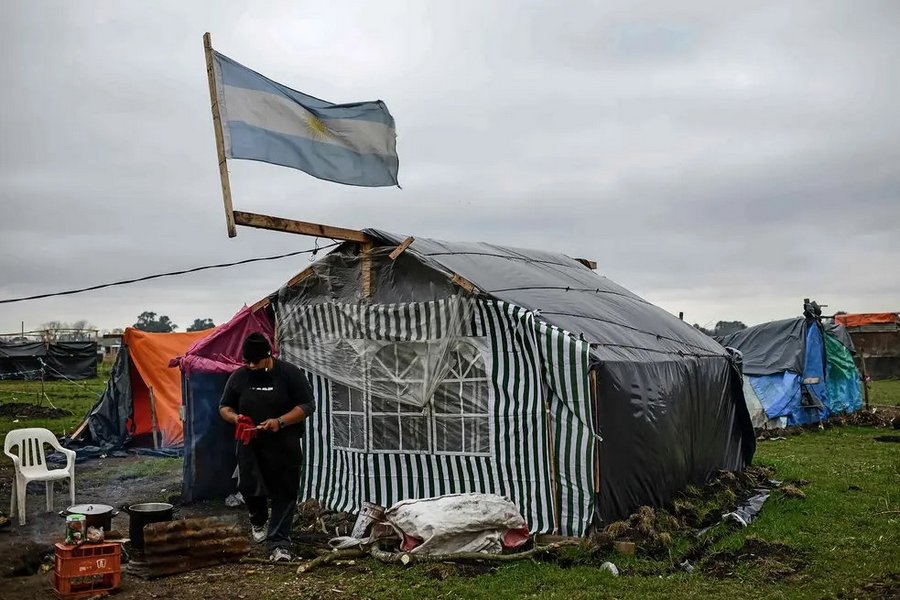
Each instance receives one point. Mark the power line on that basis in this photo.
(169, 274)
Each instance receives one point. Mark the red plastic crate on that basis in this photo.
(83, 571)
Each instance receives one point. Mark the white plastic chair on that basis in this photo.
(31, 465)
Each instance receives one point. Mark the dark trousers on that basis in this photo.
(282, 483)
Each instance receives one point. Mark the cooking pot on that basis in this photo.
(144, 514)
(95, 515)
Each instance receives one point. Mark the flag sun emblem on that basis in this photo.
(317, 128)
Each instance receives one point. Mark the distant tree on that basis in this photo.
(728, 327)
(201, 324)
(703, 329)
(148, 321)
(58, 331)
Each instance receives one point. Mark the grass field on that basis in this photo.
(75, 397)
(839, 539)
(844, 535)
(885, 392)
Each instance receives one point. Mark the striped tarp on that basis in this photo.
(542, 439)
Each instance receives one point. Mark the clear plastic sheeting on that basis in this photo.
(406, 353)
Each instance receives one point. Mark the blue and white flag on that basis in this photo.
(263, 120)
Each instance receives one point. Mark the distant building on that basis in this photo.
(876, 337)
(110, 344)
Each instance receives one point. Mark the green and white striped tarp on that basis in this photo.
(539, 411)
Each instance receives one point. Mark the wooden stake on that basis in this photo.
(595, 408)
(399, 249)
(865, 376)
(220, 138)
(554, 488)
(463, 283)
(366, 265)
(153, 426)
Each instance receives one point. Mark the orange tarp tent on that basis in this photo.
(150, 354)
(860, 319)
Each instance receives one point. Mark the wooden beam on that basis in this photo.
(300, 276)
(366, 266)
(260, 304)
(399, 249)
(464, 283)
(248, 219)
(590, 264)
(220, 138)
(264, 302)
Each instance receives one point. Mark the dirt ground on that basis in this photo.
(26, 552)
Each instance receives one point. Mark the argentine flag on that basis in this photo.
(262, 120)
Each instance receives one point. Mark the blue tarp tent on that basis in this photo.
(796, 372)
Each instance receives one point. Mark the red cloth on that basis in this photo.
(860, 319)
(220, 351)
(245, 430)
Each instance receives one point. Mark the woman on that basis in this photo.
(267, 400)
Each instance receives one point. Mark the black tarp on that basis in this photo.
(209, 457)
(57, 360)
(672, 410)
(108, 418)
(840, 333)
(771, 347)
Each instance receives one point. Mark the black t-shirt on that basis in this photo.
(262, 395)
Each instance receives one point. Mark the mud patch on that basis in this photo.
(24, 559)
(773, 560)
(882, 586)
(21, 410)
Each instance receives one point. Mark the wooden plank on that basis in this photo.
(463, 283)
(590, 264)
(248, 219)
(300, 276)
(153, 427)
(264, 302)
(366, 266)
(595, 409)
(626, 548)
(220, 138)
(551, 538)
(399, 249)
(77, 433)
(260, 304)
(554, 488)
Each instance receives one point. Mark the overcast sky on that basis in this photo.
(721, 159)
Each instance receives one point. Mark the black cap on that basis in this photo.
(256, 347)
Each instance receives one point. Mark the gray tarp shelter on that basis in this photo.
(483, 368)
(58, 360)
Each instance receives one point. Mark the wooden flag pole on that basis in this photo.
(220, 139)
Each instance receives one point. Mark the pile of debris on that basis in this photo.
(654, 531)
(877, 416)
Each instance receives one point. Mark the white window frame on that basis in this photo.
(479, 345)
(461, 381)
(350, 413)
(402, 409)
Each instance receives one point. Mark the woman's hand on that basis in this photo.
(270, 425)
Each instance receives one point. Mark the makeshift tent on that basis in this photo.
(124, 413)
(471, 367)
(876, 337)
(209, 453)
(53, 360)
(796, 372)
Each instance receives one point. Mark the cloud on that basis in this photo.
(718, 161)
